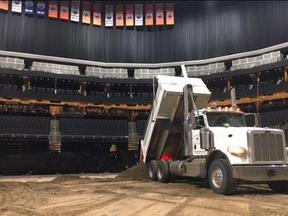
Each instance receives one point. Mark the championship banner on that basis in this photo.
(119, 15)
(29, 7)
(149, 15)
(41, 9)
(97, 14)
(53, 9)
(138, 15)
(129, 15)
(109, 16)
(159, 14)
(4, 5)
(64, 10)
(75, 10)
(17, 6)
(170, 14)
(86, 14)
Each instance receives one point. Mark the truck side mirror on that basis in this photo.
(252, 119)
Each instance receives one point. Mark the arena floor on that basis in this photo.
(106, 195)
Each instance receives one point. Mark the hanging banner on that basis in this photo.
(109, 16)
(170, 14)
(138, 15)
(149, 15)
(41, 9)
(75, 10)
(97, 14)
(53, 9)
(29, 7)
(119, 15)
(17, 6)
(159, 14)
(86, 14)
(129, 15)
(64, 10)
(4, 5)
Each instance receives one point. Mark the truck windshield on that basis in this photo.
(225, 120)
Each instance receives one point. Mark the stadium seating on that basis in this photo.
(150, 73)
(106, 72)
(194, 71)
(90, 134)
(24, 133)
(251, 62)
(141, 125)
(13, 63)
(55, 68)
(94, 127)
(273, 118)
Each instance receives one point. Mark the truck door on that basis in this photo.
(197, 151)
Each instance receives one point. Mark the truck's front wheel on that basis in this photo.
(220, 178)
(279, 186)
(152, 170)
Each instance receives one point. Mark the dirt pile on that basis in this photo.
(65, 178)
(136, 173)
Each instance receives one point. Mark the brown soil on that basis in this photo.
(69, 195)
(136, 173)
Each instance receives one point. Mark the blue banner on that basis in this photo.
(41, 8)
(29, 7)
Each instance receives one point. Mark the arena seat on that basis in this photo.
(55, 68)
(93, 134)
(13, 63)
(194, 71)
(106, 72)
(141, 125)
(24, 133)
(251, 62)
(150, 73)
(273, 118)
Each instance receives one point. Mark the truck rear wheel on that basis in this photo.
(152, 170)
(279, 186)
(220, 178)
(163, 172)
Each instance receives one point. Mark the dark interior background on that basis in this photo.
(202, 30)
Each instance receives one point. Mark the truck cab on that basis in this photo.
(186, 138)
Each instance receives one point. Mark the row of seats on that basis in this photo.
(273, 118)
(91, 144)
(94, 127)
(251, 62)
(194, 71)
(13, 63)
(151, 73)
(24, 144)
(10, 87)
(55, 68)
(12, 124)
(141, 125)
(106, 72)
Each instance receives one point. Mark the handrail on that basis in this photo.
(144, 65)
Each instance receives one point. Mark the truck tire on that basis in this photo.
(152, 170)
(279, 186)
(163, 172)
(220, 177)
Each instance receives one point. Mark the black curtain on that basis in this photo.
(202, 30)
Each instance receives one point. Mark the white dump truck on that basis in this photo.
(186, 138)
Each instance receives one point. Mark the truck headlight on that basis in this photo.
(237, 150)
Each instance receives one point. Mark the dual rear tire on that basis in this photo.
(159, 170)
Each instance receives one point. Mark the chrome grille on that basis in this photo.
(268, 147)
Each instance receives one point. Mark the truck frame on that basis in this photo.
(184, 138)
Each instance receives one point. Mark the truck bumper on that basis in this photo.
(261, 173)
